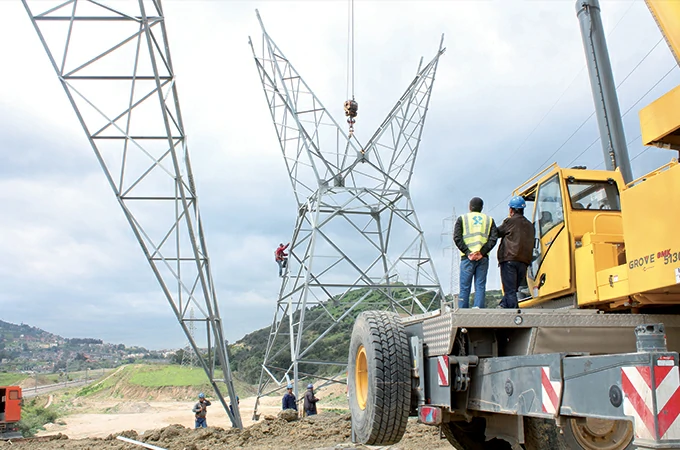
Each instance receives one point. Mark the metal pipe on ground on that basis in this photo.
(141, 444)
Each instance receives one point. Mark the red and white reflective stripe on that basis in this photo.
(668, 401)
(550, 392)
(638, 402)
(443, 370)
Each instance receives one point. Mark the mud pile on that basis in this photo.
(325, 431)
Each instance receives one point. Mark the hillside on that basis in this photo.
(247, 354)
(141, 382)
(27, 348)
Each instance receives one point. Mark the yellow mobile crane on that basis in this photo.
(589, 359)
(605, 242)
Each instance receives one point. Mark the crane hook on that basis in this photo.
(351, 111)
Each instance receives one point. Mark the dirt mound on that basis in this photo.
(324, 431)
(130, 408)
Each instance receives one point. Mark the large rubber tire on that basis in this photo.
(380, 404)
(540, 434)
(470, 436)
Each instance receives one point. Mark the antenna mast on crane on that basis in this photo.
(357, 235)
(448, 225)
(113, 60)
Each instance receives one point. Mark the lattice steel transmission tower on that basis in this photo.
(113, 60)
(357, 238)
(189, 356)
(448, 225)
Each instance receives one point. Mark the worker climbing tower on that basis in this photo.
(357, 239)
(113, 60)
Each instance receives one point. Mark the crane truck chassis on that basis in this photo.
(501, 378)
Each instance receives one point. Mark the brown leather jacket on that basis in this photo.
(517, 242)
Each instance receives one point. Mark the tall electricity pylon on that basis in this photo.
(113, 60)
(189, 356)
(357, 238)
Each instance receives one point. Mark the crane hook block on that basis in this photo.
(351, 109)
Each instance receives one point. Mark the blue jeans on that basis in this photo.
(468, 271)
(201, 422)
(513, 273)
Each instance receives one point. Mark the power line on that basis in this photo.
(593, 113)
(531, 133)
(541, 166)
(626, 113)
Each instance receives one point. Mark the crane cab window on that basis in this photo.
(594, 195)
(14, 395)
(549, 211)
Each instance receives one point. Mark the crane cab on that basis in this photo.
(566, 206)
(600, 243)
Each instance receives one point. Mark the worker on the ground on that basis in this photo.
(310, 401)
(475, 235)
(515, 250)
(231, 408)
(281, 257)
(201, 410)
(289, 401)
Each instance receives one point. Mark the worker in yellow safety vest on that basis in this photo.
(475, 235)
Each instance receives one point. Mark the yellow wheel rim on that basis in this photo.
(602, 434)
(361, 377)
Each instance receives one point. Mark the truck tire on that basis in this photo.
(379, 378)
(470, 436)
(593, 434)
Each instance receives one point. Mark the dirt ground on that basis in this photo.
(169, 425)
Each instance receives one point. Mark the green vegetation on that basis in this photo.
(33, 417)
(160, 376)
(9, 379)
(143, 381)
(246, 355)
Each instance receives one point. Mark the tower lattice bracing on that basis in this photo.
(357, 243)
(113, 60)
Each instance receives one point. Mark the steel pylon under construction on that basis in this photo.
(357, 243)
(113, 60)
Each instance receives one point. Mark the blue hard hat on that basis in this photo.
(517, 202)
(310, 386)
(201, 395)
(290, 386)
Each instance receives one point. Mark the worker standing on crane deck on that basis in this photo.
(281, 257)
(515, 251)
(201, 410)
(475, 235)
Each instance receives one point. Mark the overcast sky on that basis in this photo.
(510, 90)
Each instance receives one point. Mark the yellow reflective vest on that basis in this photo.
(476, 229)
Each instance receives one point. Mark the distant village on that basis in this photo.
(30, 349)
